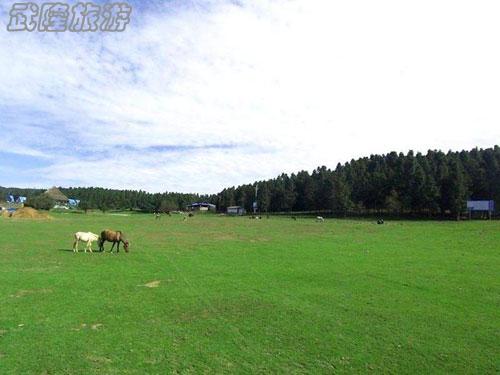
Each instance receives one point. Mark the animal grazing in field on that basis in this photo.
(87, 237)
(191, 214)
(319, 219)
(294, 218)
(380, 221)
(115, 237)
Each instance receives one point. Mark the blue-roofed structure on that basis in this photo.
(11, 198)
(73, 202)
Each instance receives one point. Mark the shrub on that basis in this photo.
(41, 202)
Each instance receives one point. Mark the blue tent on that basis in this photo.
(16, 199)
(73, 202)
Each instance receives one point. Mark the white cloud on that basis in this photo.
(291, 84)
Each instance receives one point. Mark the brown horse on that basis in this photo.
(113, 236)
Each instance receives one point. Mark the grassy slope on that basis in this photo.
(245, 295)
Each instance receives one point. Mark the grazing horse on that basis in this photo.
(113, 236)
(319, 219)
(87, 237)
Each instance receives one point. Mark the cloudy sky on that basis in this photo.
(200, 95)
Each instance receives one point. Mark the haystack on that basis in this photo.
(30, 213)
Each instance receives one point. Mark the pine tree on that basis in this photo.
(341, 193)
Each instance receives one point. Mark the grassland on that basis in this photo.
(232, 295)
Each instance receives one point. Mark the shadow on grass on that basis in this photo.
(82, 251)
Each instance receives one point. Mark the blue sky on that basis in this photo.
(196, 96)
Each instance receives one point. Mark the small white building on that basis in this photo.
(201, 206)
(236, 210)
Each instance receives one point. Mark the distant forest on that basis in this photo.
(434, 184)
(113, 199)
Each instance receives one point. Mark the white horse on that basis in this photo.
(87, 237)
(319, 219)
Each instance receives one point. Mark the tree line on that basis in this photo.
(113, 199)
(433, 184)
(109, 199)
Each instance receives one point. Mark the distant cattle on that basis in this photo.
(294, 218)
(380, 221)
(319, 219)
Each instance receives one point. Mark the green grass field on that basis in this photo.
(232, 295)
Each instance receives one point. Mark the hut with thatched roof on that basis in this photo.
(56, 194)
